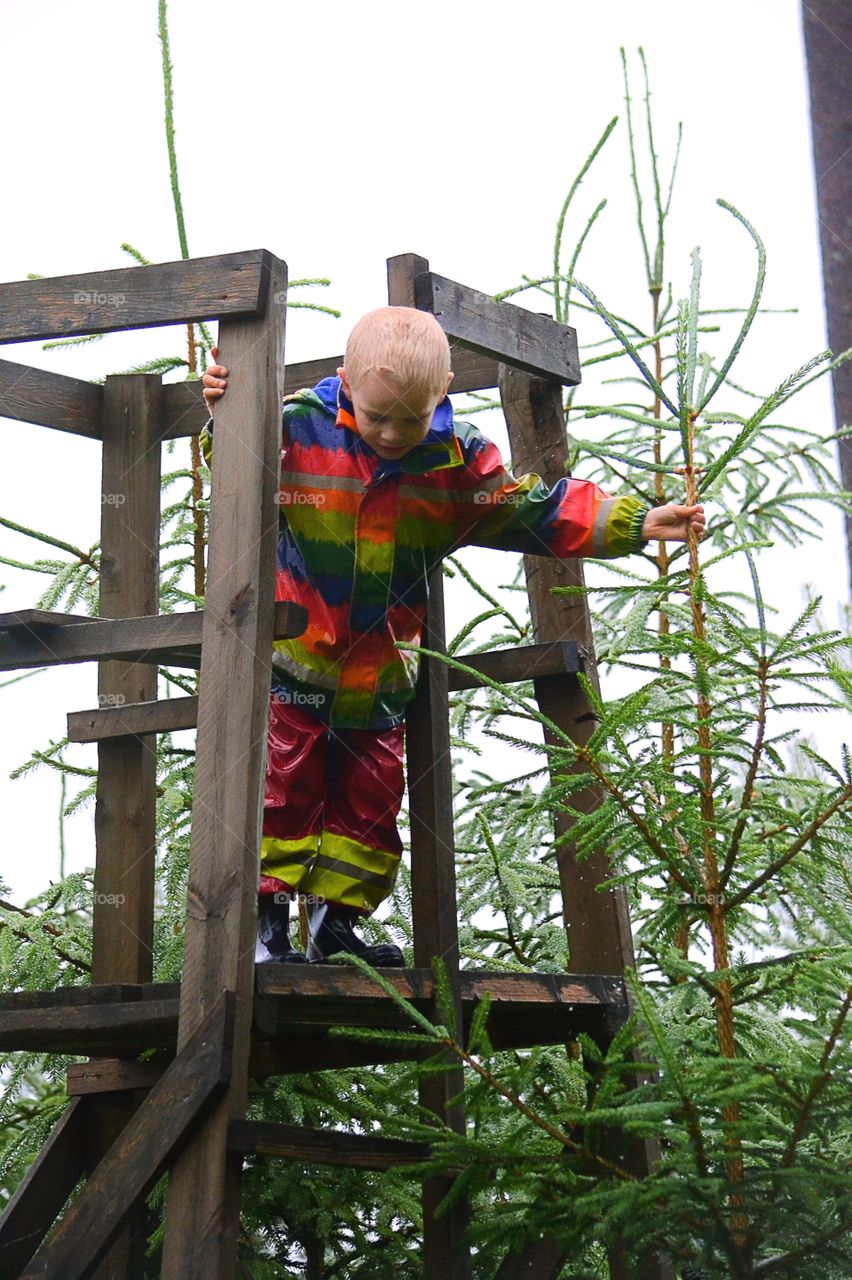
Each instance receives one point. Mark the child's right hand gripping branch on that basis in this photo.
(669, 523)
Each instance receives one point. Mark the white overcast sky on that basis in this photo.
(336, 135)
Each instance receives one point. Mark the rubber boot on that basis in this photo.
(273, 932)
(332, 933)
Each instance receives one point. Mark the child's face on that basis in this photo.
(391, 419)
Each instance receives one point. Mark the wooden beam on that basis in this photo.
(158, 1130)
(41, 1194)
(322, 1146)
(163, 715)
(202, 1214)
(228, 284)
(523, 339)
(126, 797)
(106, 1030)
(112, 1075)
(50, 399)
(169, 715)
(509, 666)
(169, 639)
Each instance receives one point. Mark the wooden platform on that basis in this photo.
(295, 1007)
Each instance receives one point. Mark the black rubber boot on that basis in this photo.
(273, 931)
(332, 933)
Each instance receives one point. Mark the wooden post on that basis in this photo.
(125, 806)
(598, 924)
(202, 1213)
(435, 919)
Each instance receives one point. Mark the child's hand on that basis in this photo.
(214, 381)
(672, 522)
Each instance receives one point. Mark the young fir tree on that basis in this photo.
(723, 843)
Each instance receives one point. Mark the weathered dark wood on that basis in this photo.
(322, 1146)
(228, 284)
(323, 1052)
(598, 925)
(827, 27)
(169, 639)
(107, 1030)
(168, 715)
(164, 715)
(523, 339)
(202, 1214)
(42, 1193)
(50, 399)
(526, 662)
(126, 798)
(71, 997)
(108, 1075)
(159, 1128)
(540, 1260)
(433, 879)
(126, 793)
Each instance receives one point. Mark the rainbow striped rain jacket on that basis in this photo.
(359, 536)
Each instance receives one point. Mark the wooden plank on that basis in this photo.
(45, 1187)
(109, 1075)
(433, 879)
(169, 715)
(109, 993)
(164, 715)
(202, 1214)
(228, 284)
(108, 1030)
(126, 796)
(50, 399)
(525, 662)
(523, 339)
(126, 789)
(160, 1128)
(169, 639)
(322, 1146)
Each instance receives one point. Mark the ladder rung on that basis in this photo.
(163, 715)
(31, 638)
(526, 662)
(322, 1146)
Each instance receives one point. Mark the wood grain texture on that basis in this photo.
(500, 330)
(159, 1128)
(202, 1213)
(322, 1146)
(229, 284)
(42, 1192)
(168, 639)
(50, 399)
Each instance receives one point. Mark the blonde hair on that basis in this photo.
(407, 345)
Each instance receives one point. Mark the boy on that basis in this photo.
(377, 486)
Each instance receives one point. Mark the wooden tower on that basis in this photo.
(227, 1022)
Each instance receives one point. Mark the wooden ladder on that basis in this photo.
(226, 1021)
